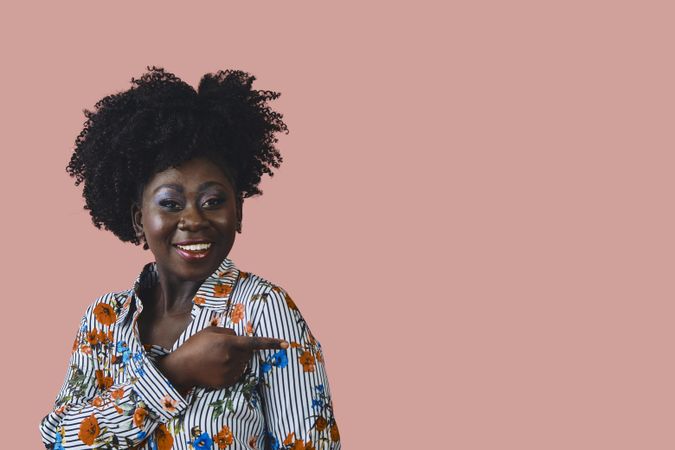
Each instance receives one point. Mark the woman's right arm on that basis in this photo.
(91, 411)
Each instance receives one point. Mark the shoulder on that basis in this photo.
(107, 308)
(276, 315)
(271, 308)
(255, 288)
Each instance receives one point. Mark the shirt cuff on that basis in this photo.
(155, 389)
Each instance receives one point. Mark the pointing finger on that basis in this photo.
(222, 330)
(261, 343)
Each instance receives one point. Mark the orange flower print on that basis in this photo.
(320, 423)
(117, 394)
(237, 313)
(76, 342)
(295, 345)
(224, 437)
(289, 302)
(118, 409)
(102, 337)
(249, 328)
(97, 401)
(319, 356)
(169, 404)
(300, 445)
(222, 290)
(105, 314)
(253, 442)
(334, 433)
(139, 417)
(307, 361)
(85, 349)
(290, 438)
(89, 430)
(92, 337)
(199, 300)
(163, 438)
(243, 275)
(103, 382)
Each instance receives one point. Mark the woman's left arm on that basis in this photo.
(91, 411)
(294, 385)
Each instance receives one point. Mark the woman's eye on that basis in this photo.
(213, 202)
(169, 204)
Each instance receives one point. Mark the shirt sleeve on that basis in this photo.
(293, 385)
(90, 411)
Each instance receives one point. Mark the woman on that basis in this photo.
(197, 354)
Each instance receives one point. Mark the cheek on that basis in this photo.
(157, 226)
(225, 219)
(226, 225)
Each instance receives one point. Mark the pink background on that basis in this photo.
(475, 212)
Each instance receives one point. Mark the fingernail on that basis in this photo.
(284, 344)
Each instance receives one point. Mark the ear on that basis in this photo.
(240, 212)
(137, 219)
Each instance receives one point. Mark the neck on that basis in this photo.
(173, 296)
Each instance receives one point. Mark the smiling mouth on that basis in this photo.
(201, 247)
(193, 252)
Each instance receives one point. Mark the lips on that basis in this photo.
(202, 246)
(193, 250)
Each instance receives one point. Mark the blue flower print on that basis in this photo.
(274, 443)
(203, 441)
(279, 359)
(122, 347)
(58, 441)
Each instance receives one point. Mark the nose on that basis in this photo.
(191, 219)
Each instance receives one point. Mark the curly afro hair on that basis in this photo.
(161, 122)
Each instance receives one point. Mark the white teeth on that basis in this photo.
(194, 247)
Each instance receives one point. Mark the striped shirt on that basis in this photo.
(114, 396)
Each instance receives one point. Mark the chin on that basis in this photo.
(196, 273)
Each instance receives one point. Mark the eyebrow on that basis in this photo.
(179, 188)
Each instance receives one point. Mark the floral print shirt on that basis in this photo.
(114, 397)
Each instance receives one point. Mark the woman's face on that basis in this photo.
(189, 217)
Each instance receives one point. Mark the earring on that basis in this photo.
(141, 237)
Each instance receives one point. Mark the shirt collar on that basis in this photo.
(214, 293)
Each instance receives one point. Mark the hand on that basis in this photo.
(215, 357)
